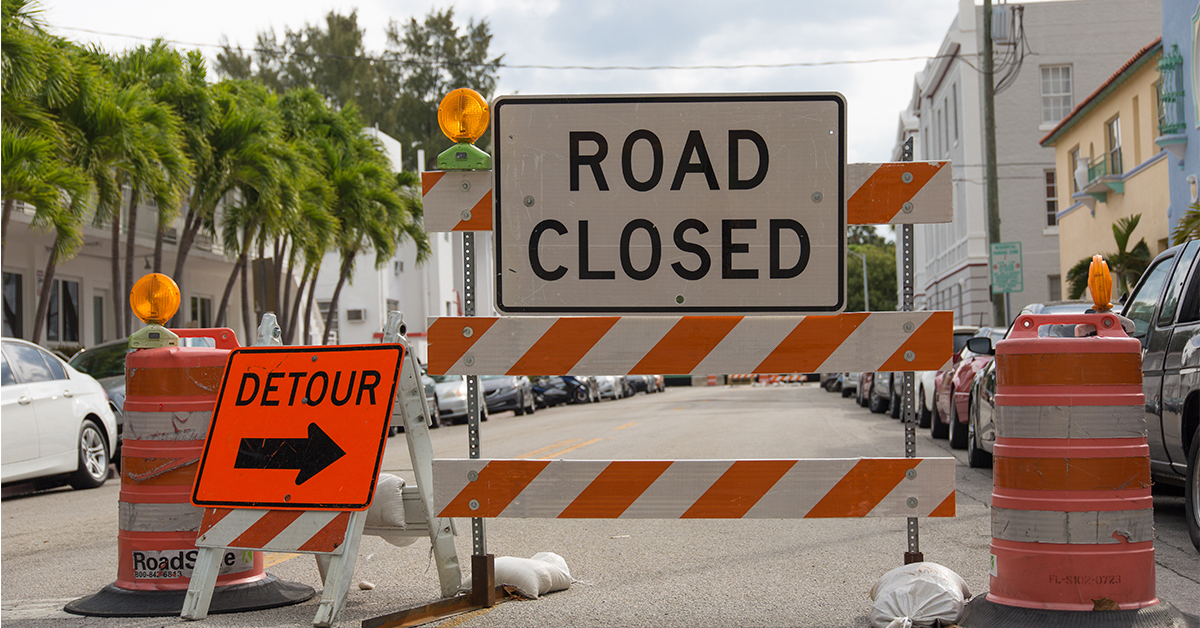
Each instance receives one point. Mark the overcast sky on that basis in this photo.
(604, 33)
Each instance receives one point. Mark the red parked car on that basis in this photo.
(952, 394)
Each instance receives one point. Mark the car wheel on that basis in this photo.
(894, 406)
(958, 429)
(532, 407)
(877, 404)
(1192, 491)
(93, 458)
(483, 414)
(977, 458)
(937, 429)
(846, 392)
(393, 430)
(581, 395)
(924, 415)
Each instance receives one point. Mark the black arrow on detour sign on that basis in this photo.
(309, 455)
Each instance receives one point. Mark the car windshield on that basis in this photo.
(441, 379)
(101, 362)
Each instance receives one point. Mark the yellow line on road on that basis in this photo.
(548, 448)
(274, 558)
(570, 449)
(625, 426)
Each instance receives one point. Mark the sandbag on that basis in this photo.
(385, 517)
(918, 595)
(530, 577)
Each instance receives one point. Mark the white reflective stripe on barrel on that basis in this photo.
(1070, 422)
(159, 517)
(1087, 528)
(174, 426)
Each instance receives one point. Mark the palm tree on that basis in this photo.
(1127, 264)
(1189, 225)
(37, 74)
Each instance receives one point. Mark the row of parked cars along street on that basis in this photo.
(959, 403)
(62, 420)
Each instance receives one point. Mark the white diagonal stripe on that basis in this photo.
(625, 345)
(748, 344)
(450, 478)
(933, 483)
(502, 345)
(874, 341)
(805, 484)
(301, 530)
(677, 489)
(230, 527)
(555, 488)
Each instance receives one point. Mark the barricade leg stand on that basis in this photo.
(341, 570)
(411, 404)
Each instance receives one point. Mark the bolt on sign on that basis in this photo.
(670, 204)
(299, 428)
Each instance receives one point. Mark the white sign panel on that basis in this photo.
(717, 204)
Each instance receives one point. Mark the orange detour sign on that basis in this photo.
(300, 428)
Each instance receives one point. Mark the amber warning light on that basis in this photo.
(154, 299)
(463, 117)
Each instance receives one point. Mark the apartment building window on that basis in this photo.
(1170, 92)
(1113, 146)
(1074, 167)
(97, 318)
(1055, 287)
(202, 311)
(945, 133)
(954, 107)
(1051, 199)
(1057, 99)
(62, 317)
(14, 301)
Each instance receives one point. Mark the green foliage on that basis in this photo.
(1127, 265)
(1189, 225)
(881, 276)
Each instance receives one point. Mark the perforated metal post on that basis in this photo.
(478, 534)
(913, 555)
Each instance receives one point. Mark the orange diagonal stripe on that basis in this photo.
(811, 343)
(481, 216)
(1069, 369)
(738, 489)
(1072, 474)
(863, 487)
(430, 179)
(266, 528)
(615, 489)
(946, 508)
(932, 344)
(330, 537)
(883, 195)
(446, 334)
(563, 345)
(500, 481)
(688, 342)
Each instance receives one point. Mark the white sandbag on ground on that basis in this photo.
(546, 572)
(918, 595)
(386, 514)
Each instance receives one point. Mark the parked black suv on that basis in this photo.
(1165, 309)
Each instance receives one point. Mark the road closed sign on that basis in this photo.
(721, 204)
(299, 428)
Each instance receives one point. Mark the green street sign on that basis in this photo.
(1007, 275)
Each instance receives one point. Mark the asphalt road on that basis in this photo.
(59, 545)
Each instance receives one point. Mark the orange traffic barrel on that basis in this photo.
(170, 393)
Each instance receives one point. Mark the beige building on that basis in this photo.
(1108, 165)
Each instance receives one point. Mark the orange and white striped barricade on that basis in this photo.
(695, 345)
(1072, 514)
(911, 192)
(331, 533)
(170, 393)
(695, 489)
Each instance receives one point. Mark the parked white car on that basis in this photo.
(56, 421)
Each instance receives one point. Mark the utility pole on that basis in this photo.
(989, 140)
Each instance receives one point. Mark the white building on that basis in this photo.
(1047, 56)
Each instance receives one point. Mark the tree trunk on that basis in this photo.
(312, 290)
(191, 226)
(285, 305)
(277, 269)
(130, 238)
(294, 315)
(247, 316)
(337, 291)
(233, 275)
(119, 297)
(9, 204)
(159, 234)
(39, 320)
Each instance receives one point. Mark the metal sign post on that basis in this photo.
(913, 555)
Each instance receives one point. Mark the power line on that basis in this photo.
(525, 66)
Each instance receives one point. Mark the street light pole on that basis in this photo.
(866, 296)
